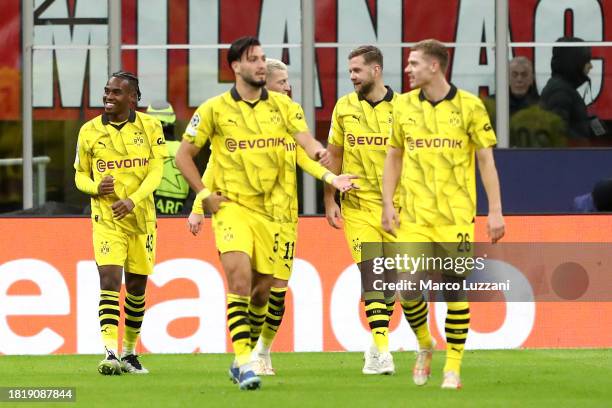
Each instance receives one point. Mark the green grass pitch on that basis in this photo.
(521, 378)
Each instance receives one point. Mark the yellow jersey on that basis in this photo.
(132, 153)
(294, 154)
(362, 129)
(249, 141)
(438, 181)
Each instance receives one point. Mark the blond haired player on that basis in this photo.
(438, 133)
(248, 128)
(119, 162)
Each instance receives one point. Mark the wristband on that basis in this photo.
(197, 202)
(329, 177)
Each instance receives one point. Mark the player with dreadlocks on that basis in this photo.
(119, 162)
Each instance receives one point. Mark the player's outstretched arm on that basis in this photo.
(343, 182)
(488, 173)
(313, 148)
(391, 175)
(312, 167)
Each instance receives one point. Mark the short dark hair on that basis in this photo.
(239, 47)
(370, 54)
(131, 78)
(433, 48)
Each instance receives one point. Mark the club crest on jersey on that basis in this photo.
(105, 248)
(138, 139)
(275, 118)
(455, 119)
(356, 245)
(228, 234)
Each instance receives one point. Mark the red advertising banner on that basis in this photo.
(49, 293)
(68, 81)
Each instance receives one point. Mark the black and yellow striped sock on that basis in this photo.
(134, 309)
(456, 327)
(274, 316)
(416, 312)
(239, 326)
(390, 302)
(257, 316)
(378, 319)
(108, 314)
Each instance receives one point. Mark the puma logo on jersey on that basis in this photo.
(380, 332)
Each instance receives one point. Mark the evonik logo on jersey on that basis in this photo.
(434, 142)
(103, 165)
(259, 143)
(366, 140)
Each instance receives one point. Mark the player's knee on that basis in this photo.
(238, 287)
(410, 295)
(280, 283)
(454, 295)
(260, 291)
(110, 282)
(136, 286)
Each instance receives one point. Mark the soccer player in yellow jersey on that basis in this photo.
(360, 127)
(119, 162)
(248, 128)
(268, 318)
(438, 132)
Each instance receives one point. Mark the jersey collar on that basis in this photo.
(131, 118)
(236, 96)
(388, 97)
(449, 96)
